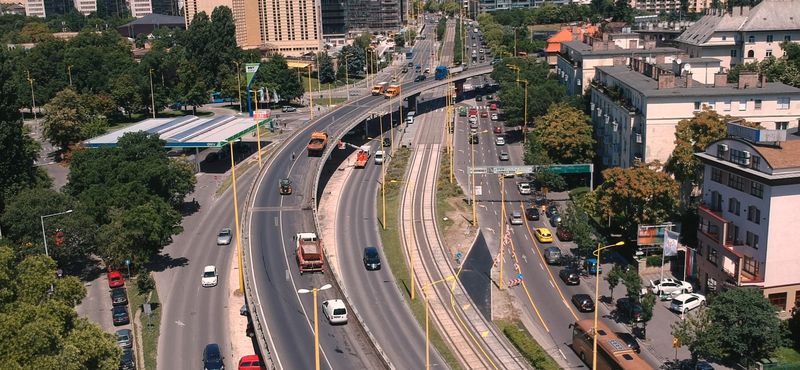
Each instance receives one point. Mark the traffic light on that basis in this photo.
(60, 239)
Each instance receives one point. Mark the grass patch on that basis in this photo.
(327, 101)
(393, 250)
(787, 355)
(316, 86)
(444, 191)
(150, 334)
(544, 27)
(532, 352)
(239, 172)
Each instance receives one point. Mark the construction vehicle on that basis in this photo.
(392, 91)
(362, 156)
(379, 88)
(286, 186)
(309, 253)
(317, 144)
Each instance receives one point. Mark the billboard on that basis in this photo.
(650, 235)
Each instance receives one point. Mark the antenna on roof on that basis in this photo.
(687, 67)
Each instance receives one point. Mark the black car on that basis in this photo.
(372, 260)
(570, 276)
(410, 64)
(120, 315)
(119, 297)
(631, 310)
(583, 302)
(701, 365)
(473, 139)
(551, 210)
(631, 342)
(419, 78)
(127, 361)
(387, 142)
(478, 98)
(532, 214)
(212, 357)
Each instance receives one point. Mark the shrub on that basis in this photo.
(145, 282)
(654, 261)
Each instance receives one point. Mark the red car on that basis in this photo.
(484, 114)
(251, 362)
(115, 280)
(563, 234)
(498, 130)
(493, 107)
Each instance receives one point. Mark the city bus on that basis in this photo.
(410, 54)
(612, 352)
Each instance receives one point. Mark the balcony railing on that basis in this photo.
(619, 100)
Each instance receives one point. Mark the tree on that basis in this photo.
(140, 40)
(411, 36)
(623, 12)
(793, 324)
(648, 303)
(400, 40)
(566, 134)
(633, 283)
(125, 92)
(355, 60)
(362, 42)
(693, 136)
(700, 334)
(326, 74)
(748, 323)
(192, 87)
(613, 277)
(64, 119)
(635, 195)
(551, 180)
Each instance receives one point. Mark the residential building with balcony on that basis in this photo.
(566, 34)
(656, 6)
(743, 35)
(575, 64)
(292, 28)
(751, 194)
(636, 108)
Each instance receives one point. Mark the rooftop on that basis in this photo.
(769, 15)
(787, 155)
(649, 87)
(586, 50)
(158, 19)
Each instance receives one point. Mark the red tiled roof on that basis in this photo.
(554, 42)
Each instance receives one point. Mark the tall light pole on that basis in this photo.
(69, 71)
(525, 127)
(427, 325)
(310, 93)
(511, 66)
(152, 97)
(33, 97)
(596, 294)
(346, 78)
(239, 81)
(383, 172)
(236, 214)
(314, 292)
(472, 149)
(44, 234)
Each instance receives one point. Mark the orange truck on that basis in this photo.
(379, 88)
(361, 158)
(317, 144)
(309, 253)
(392, 91)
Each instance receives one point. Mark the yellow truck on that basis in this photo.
(392, 91)
(379, 88)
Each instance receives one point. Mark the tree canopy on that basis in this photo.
(747, 322)
(566, 134)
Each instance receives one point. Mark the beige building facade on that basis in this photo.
(751, 194)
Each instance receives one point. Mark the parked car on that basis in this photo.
(335, 311)
(224, 237)
(503, 156)
(419, 78)
(124, 338)
(209, 276)
(372, 260)
(631, 310)
(630, 341)
(251, 362)
(543, 235)
(479, 98)
(701, 365)
(669, 285)
(494, 117)
(119, 297)
(555, 220)
(128, 360)
(515, 218)
(288, 108)
(498, 130)
(532, 214)
(563, 234)
(115, 279)
(687, 302)
(495, 61)
(120, 315)
(212, 358)
(551, 210)
(570, 276)
(552, 255)
(583, 302)
(493, 106)
(591, 266)
(410, 64)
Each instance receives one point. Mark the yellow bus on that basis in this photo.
(612, 352)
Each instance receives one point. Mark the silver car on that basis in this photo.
(224, 237)
(124, 338)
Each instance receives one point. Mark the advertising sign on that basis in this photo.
(650, 235)
(251, 69)
(262, 113)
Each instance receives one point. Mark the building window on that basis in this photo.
(756, 189)
(750, 266)
(727, 106)
(734, 53)
(733, 206)
(787, 38)
(769, 38)
(712, 255)
(716, 201)
(742, 105)
(781, 125)
(778, 300)
(754, 214)
(750, 53)
(724, 38)
(755, 162)
(751, 39)
(696, 106)
(783, 103)
(736, 182)
(752, 240)
(699, 247)
(716, 175)
(758, 104)
(738, 156)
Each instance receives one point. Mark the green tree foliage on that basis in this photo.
(793, 325)
(211, 43)
(326, 74)
(700, 334)
(355, 59)
(623, 12)
(637, 195)
(64, 119)
(400, 40)
(441, 28)
(576, 222)
(193, 89)
(363, 41)
(276, 75)
(648, 303)
(411, 36)
(613, 278)
(747, 322)
(551, 180)
(633, 283)
(41, 330)
(125, 92)
(566, 134)
(451, 7)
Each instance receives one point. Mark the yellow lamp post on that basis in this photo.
(383, 171)
(152, 97)
(310, 93)
(525, 127)
(239, 81)
(314, 292)
(472, 149)
(69, 72)
(258, 132)
(427, 322)
(596, 294)
(346, 78)
(413, 241)
(236, 217)
(33, 97)
(511, 66)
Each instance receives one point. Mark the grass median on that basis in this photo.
(150, 328)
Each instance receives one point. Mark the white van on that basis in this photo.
(379, 157)
(410, 117)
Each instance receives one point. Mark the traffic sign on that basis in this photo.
(458, 255)
(571, 168)
(127, 262)
(676, 343)
(454, 95)
(519, 276)
(478, 190)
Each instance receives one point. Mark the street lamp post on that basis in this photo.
(69, 72)
(472, 149)
(511, 66)
(44, 234)
(525, 127)
(427, 322)
(596, 294)
(383, 173)
(310, 93)
(239, 81)
(152, 97)
(346, 78)
(314, 292)
(33, 97)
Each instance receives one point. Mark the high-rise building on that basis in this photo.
(192, 7)
(333, 18)
(43, 8)
(373, 16)
(286, 27)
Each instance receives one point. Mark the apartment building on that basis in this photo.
(576, 62)
(751, 194)
(636, 108)
(566, 34)
(656, 6)
(43, 8)
(743, 35)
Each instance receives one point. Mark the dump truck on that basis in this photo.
(362, 157)
(286, 186)
(379, 88)
(309, 253)
(317, 144)
(392, 91)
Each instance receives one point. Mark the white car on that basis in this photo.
(524, 188)
(209, 276)
(473, 118)
(224, 237)
(669, 286)
(379, 157)
(499, 141)
(335, 311)
(687, 302)
(494, 117)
